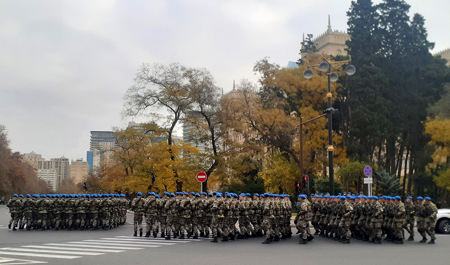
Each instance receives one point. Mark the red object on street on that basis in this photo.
(202, 177)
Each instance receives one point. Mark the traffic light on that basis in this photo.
(305, 181)
(330, 110)
(297, 187)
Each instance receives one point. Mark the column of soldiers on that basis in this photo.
(366, 218)
(227, 216)
(67, 211)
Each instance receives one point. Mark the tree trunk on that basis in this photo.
(405, 172)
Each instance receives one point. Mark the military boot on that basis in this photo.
(195, 237)
(277, 238)
(317, 232)
(377, 241)
(182, 236)
(206, 235)
(140, 233)
(225, 239)
(411, 238)
(424, 240)
(147, 234)
(168, 237)
(214, 240)
(155, 234)
(303, 241)
(135, 233)
(202, 234)
(431, 241)
(232, 237)
(310, 237)
(346, 241)
(267, 241)
(9, 226)
(162, 235)
(14, 228)
(398, 241)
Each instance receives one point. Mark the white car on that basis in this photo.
(443, 221)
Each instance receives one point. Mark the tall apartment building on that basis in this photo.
(33, 159)
(190, 134)
(61, 165)
(50, 176)
(101, 148)
(79, 170)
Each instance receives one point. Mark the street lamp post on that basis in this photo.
(325, 66)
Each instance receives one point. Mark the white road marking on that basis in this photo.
(113, 244)
(54, 251)
(38, 255)
(11, 261)
(175, 239)
(128, 242)
(76, 249)
(77, 244)
(150, 240)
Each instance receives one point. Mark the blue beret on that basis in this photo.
(408, 197)
(375, 197)
(398, 198)
(419, 198)
(139, 193)
(256, 194)
(15, 195)
(427, 198)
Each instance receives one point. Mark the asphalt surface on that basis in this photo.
(117, 246)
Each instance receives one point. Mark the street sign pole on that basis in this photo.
(368, 179)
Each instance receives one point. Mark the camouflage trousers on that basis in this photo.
(267, 226)
(150, 220)
(81, 220)
(14, 219)
(397, 228)
(344, 227)
(216, 225)
(162, 220)
(375, 227)
(185, 224)
(28, 219)
(93, 219)
(408, 225)
(137, 221)
(171, 225)
(57, 219)
(303, 228)
(429, 227)
(245, 226)
(196, 225)
(68, 220)
(105, 219)
(42, 220)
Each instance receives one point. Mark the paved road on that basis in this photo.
(118, 247)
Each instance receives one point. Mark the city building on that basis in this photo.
(50, 176)
(79, 170)
(32, 158)
(90, 159)
(332, 42)
(61, 165)
(99, 137)
(191, 134)
(102, 146)
(445, 54)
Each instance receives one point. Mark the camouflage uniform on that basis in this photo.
(430, 220)
(15, 207)
(137, 205)
(302, 220)
(410, 208)
(28, 206)
(344, 224)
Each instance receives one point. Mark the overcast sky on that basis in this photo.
(66, 65)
